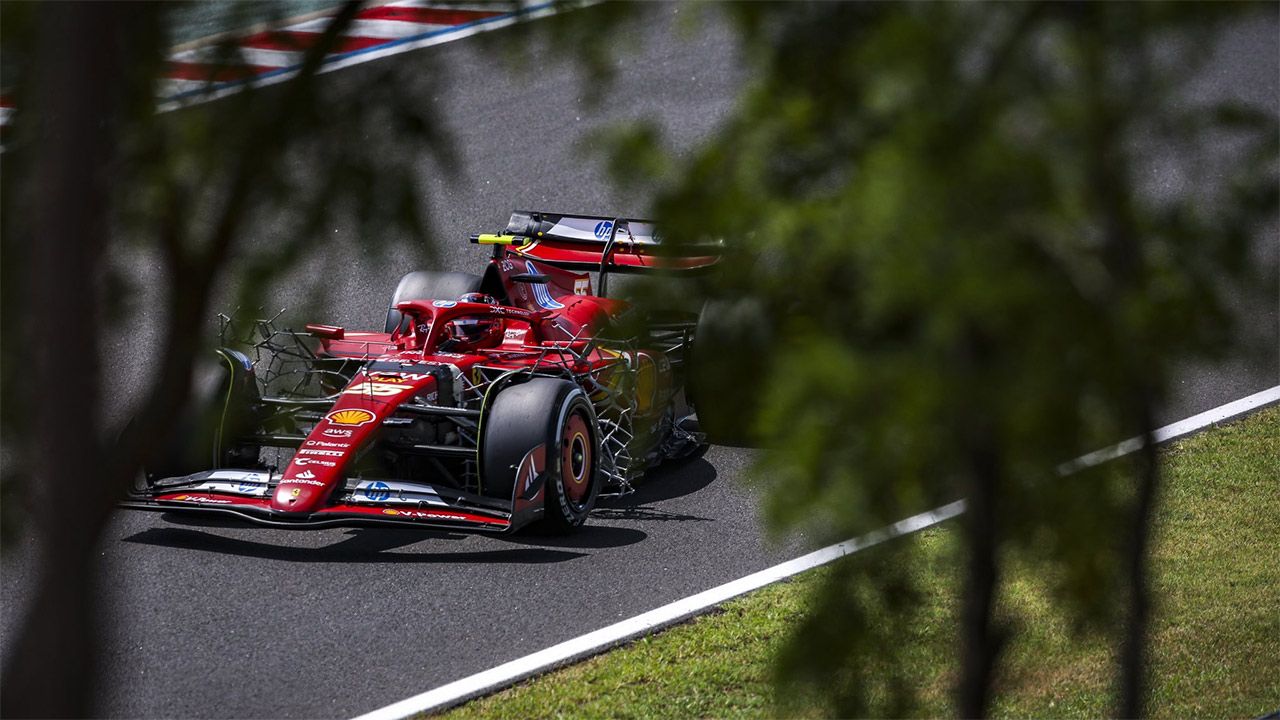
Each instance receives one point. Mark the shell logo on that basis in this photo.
(353, 416)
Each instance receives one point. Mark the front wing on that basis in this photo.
(246, 494)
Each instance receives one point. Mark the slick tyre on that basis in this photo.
(556, 416)
(204, 434)
(429, 285)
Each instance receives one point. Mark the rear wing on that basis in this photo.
(594, 242)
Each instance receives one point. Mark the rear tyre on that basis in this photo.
(555, 417)
(429, 285)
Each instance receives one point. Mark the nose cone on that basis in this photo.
(317, 470)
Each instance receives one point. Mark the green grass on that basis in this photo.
(1215, 637)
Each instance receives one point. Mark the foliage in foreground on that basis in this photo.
(960, 281)
(108, 204)
(1215, 636)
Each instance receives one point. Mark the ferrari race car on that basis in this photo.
(486, 402)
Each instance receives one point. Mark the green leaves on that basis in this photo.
(949, 213)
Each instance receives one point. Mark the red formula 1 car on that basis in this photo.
(486, 403)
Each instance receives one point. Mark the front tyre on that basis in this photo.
(206, 434)
(572, 491)
(552, 420)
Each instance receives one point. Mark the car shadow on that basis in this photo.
(666, 482)
(589, 536)
(362, 545)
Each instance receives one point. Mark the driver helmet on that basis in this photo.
(474, 333)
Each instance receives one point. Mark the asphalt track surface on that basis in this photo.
(231, 621)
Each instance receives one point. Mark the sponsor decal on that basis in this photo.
(239, 482)
(603, 228)
(301, 482)
(391, 491)
(327, 453)
(582, 286)
(377, 491)
(530, 467)
(578, 227)
(199, 499)
(305, 475)
(312, 461)
(376, 389)
(387, 378)
(350, 416)
(540, 292)
(325, 443)
(420, 514)
(514, 312)
(336, 432)
(296, 492)
(397, 376)
(239, 488)
(515, 334)
(449, 355)
(239, 475)
(506, 266)
(445, 303)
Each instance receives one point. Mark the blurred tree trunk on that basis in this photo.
(78, 69)
(981, 637)
(1134, 651)
(1128, 280)
(90, 56)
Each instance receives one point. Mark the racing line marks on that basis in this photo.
(594, 642)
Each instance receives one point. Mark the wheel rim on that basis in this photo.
(575, 459)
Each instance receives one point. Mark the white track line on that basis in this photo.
(605, 638)
(594, 642)
(1176, 430)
